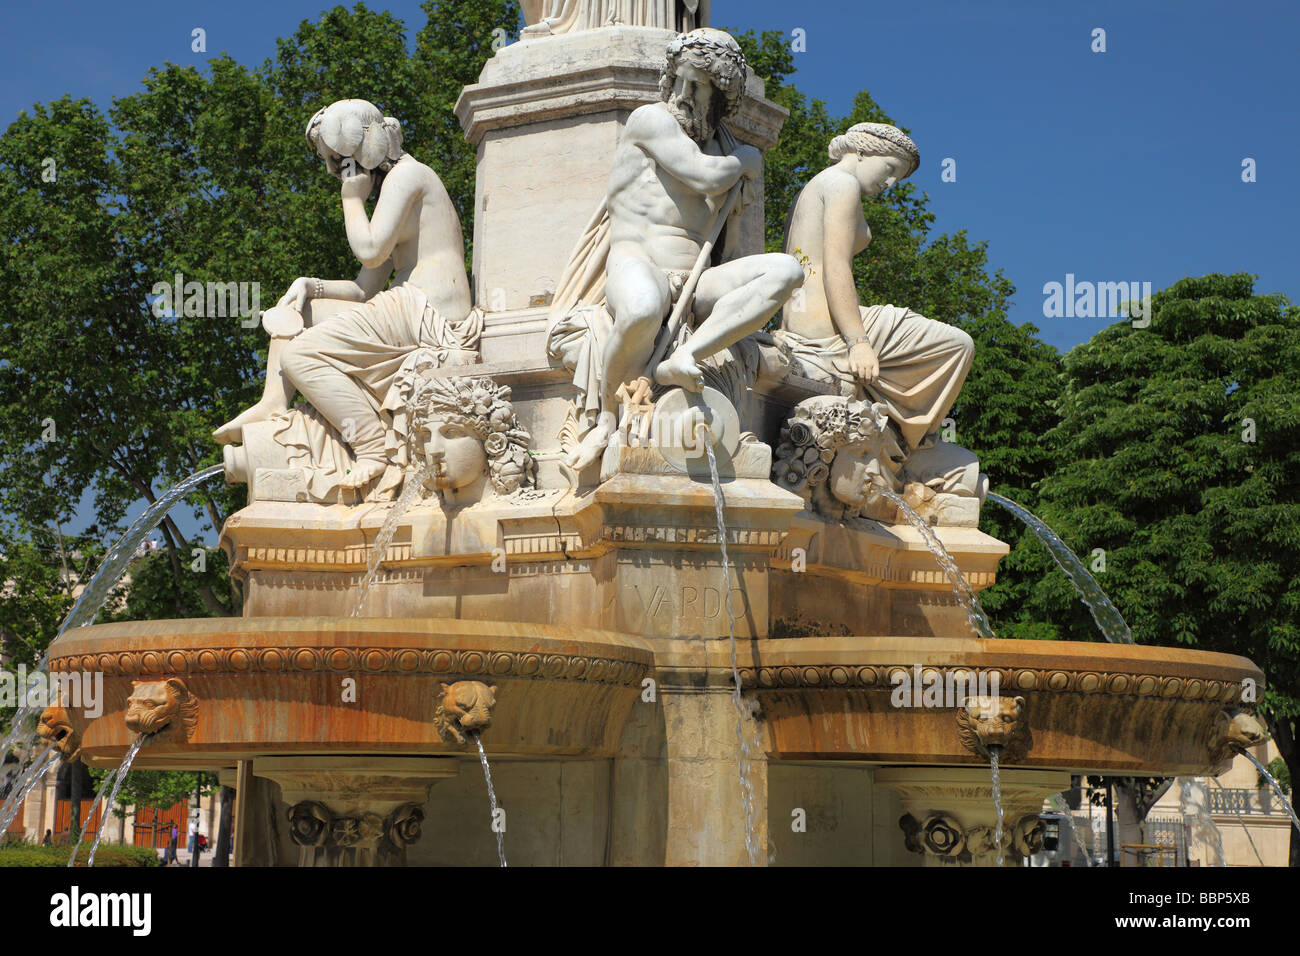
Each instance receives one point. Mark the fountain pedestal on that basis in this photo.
(354, 811)
(950, 815)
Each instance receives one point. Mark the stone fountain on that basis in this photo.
(491, 518)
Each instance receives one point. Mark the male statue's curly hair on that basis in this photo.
(717, 54)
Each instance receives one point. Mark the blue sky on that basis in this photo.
(1117, 166)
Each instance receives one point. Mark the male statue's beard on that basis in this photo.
(698, 128)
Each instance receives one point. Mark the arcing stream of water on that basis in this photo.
(109, 572)
(1059, 804)
(122, 771)
(979, 621)
(1192, 800)
(1277, 787)
(23, 783)
(497, 827)
(1245, 829)
(1109, 621)
(87, 605)
(410, 491)
(744, 754)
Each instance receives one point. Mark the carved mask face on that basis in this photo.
(695, 102)
(456, 452)
(852, 473)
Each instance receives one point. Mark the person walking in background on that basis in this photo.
(171, 847)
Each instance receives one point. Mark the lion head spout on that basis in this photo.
(465, 708)
(1002, 722)
(56, 729)
(156, 705)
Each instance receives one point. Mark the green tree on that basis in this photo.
(1179, 455)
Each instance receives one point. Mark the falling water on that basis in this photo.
(744, 753)
(492, 798)
(411, 488)
(112, 797)
(1110, 622)
(1277, 787)
(997, 798)
(1242, 821)
(109, 572)
(1192, 798)
(979, 621)
(1061, 806)
(99, 798)
(23, 784)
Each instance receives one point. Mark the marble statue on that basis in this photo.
(679, 182)
(835, 452)
(362, 336)
(464, 432)
(550, 17)
(912, 365)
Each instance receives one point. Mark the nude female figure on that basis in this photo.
(360, 333)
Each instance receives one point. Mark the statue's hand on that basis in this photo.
(863, 363)
(357, 185)
(752, 161)
(297, 296)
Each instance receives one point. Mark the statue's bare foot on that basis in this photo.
(232, 432)
(593, 446)
(680, 369)
(364, 471)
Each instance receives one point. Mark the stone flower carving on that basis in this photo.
(156, 705)
(837, 453)
(1027, 837)
(1002, 722)
(938, 834)
(466, 707)
(310, 823)
(403, 825)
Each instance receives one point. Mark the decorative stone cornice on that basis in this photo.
(877, 677)
(371, 660)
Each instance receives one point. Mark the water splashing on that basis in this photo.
(1277, 787)
(1109, 621)
(109, 572)
(744, 754)
(411, 488)
(492, 798)
(1192, 801)
(23, 783)
(979, 621)
(1059, 804)
(997, 797)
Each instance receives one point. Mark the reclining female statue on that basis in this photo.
(360, 338)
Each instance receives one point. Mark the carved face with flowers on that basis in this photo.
(837, 453)
(465, 434)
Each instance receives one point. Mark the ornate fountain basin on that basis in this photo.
(286, 686)
(1090, 708)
